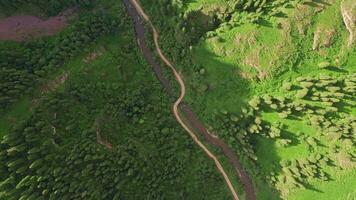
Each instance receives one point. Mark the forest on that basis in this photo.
(98, 125)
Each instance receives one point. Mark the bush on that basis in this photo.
(287, 86)
(324, 65)
(283, 115)
(302, 93)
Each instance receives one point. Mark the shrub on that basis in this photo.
(306, 84)
(287, 86)
(324, 65)
(283, 115)
(302, 93)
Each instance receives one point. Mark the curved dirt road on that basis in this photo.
(191, 123)
(179, 100)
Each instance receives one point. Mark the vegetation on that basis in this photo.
(277, 89)
(327, 115)
(100, 126)
(25, 64)
(85, 117)
(54, 156)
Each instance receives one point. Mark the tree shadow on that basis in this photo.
(289, 135)
(266, 165)
(189, 1)
(342, 107)
(322, 2)
(264, 22)
(293, 116)
(199, 23)
(281, 15)
(228, 91)
(312, 4)
(336, 69)
(312, 188)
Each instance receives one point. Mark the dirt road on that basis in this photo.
(189, 121)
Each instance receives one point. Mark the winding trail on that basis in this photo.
(189, 121)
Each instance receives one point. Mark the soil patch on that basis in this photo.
(348, 11)
(102, 141)
(54, 84)
(23, 27)
(92, 56)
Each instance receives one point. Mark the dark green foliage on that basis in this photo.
(13, 83)
(238, 131)
(58, 173)
(45, 54)
(256, 11)
(22, 66)
(144, 163)
(56, 153)
(196, 24)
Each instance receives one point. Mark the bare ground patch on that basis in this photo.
(323, 37)
(253, 60)
(92, 56)
(23, 27)
(102, 141)
(245, 41)
(348, 12)
(55, 83)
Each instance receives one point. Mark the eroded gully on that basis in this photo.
(189, 121)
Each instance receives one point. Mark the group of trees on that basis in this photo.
(323, 88)
(36, 166)
(297, 173)
(260, 9)
(44, 159)
(23, 65)
(314, 96)
(335, 127)
(329, 96)
(262, 5)
(196, 23)
(13, 83)
(55, 154)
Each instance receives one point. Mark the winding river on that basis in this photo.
(183, 113)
